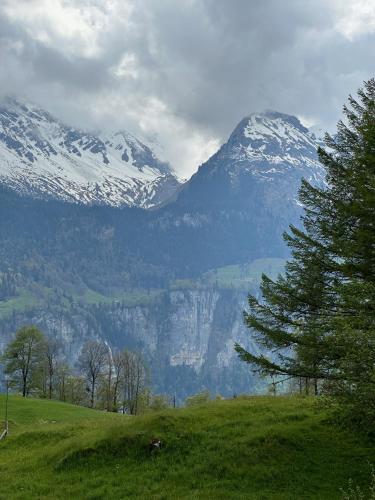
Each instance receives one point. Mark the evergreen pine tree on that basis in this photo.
(318, 319)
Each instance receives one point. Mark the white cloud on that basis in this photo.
(185, 72)
(68, 25)
(127, 67)
(355, 17)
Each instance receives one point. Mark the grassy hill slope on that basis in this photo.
(256, 448)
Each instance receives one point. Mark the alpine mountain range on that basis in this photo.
(100, 239)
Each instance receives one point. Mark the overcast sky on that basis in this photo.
(184, 72)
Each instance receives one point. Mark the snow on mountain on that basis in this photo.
(271, 143)
(257, 172)
(43, 157)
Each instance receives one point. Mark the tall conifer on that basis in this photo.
(318, 319)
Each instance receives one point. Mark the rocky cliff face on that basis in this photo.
(186, 336)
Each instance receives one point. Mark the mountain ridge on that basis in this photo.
(43, 157)
(265, 156)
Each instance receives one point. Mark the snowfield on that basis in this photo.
(41, 156)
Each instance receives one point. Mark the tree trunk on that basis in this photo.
(62, 388)
(92, 392)
(306, 386)
(24, 384)
(114, 401)
(315, 386)
(109, 389)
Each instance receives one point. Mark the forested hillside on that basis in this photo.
(171, 282)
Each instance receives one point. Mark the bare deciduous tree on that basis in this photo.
(62, 371)
(134, 380)
(51, 353)
(118, 376)
(92, 361)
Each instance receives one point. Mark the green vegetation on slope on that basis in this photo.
(236, 277)
(243, 276)
(29, 414)
(29, 299)
(23, 301)
(256, 448)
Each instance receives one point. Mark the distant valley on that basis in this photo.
(90, 262)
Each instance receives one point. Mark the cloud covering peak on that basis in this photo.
(184, 73)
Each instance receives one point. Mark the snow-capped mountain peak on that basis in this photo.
(43, 157)
(259, 169)
(271, 143)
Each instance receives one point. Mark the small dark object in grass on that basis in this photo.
(155, 444)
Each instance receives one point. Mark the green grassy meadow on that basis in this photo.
(256, 448)
(243, 277)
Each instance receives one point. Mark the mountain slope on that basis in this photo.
(262, 164)
(238, 204)
(43, 157)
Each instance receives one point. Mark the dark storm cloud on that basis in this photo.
(190, 69)
(221, 60)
